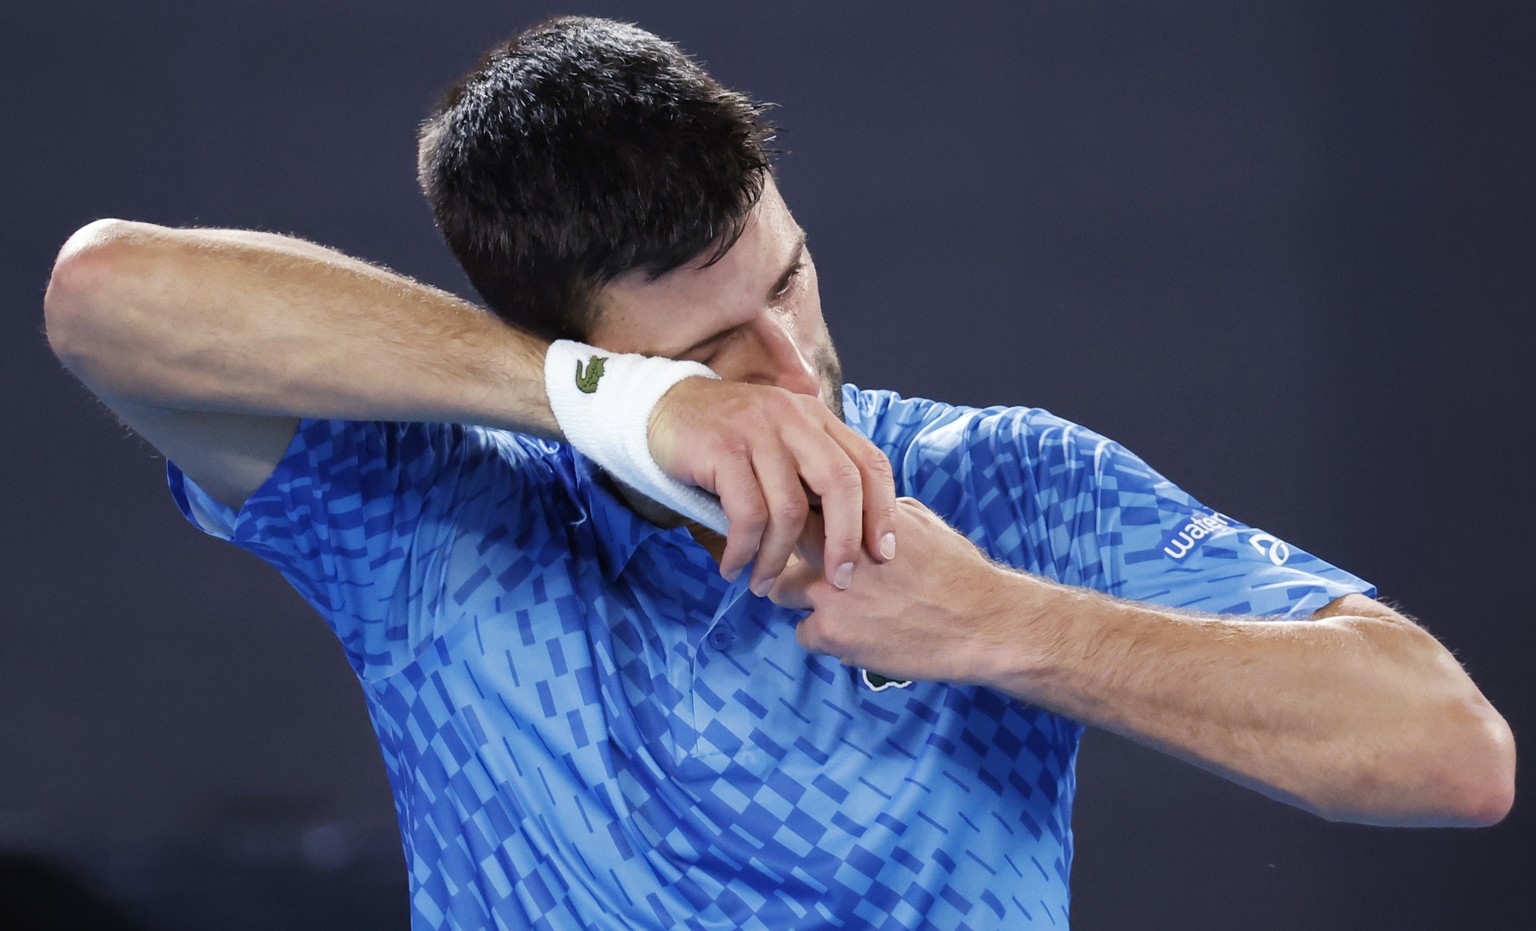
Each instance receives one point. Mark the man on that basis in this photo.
(591, 707)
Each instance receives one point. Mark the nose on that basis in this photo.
(782, 360)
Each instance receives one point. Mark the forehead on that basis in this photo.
(636, 314)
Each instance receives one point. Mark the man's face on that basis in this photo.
(754, 316)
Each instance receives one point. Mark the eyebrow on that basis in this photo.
(778, 285)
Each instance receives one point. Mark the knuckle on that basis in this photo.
(792, 510)
(805, 635)
(750, 516)
(876, 462)
(736, 555)
(828, 641)
(844, 476)
(758, 419)
(847, 472)
(811, 406)
(843, 535)
(735, 448)
(844, 546)
(776, 403)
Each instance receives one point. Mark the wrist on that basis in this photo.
(603, 402)
(1023, 621)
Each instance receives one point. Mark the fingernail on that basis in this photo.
(888, 546)
(764, 586)
(843, 575)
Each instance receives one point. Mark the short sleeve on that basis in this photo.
(1158, 544)
(1010, 479)
(1056, 499)
(356, 516)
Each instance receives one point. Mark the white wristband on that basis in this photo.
(603, 401)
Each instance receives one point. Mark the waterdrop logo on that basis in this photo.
(1275, 550)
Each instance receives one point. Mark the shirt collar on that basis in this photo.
(619, 530)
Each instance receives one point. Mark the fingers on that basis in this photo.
(879, 493)
(809, 548)
(768, 454)
(788, 510)
(814, 463)
(853, 480)
(737, 486)
(826, 470)
(792, 588)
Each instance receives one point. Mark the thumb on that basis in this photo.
(792, 589)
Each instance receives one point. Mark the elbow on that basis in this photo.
(1488, 793)
(1459, 774)
(1465, 774)
(1470, 758)
(1459, 753)
(93, 270)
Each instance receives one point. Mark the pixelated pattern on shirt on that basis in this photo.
(586, 727)
(1056, 499)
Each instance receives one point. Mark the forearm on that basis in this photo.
(1355, 717)
(240, 322)
(212, 343)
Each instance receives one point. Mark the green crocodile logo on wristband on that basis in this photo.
(586, 382)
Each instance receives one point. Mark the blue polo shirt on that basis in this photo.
(586, 727)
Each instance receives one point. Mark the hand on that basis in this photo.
(767, 454)
(940, 611)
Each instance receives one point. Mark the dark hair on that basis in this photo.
(581, 149)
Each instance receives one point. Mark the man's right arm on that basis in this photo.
(211, 344)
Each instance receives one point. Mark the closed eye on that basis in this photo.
(710, 348)
(791, 275)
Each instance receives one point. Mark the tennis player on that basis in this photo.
(662, 625)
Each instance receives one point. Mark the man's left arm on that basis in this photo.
(1356, 715)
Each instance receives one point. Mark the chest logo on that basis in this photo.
(878, 683)
(586, 382)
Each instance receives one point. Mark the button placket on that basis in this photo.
(712, 651)
(721, 637)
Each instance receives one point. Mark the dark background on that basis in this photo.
(1284, 251)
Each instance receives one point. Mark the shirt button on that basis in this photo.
(721, 637)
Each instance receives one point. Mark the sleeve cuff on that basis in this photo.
(211, 516)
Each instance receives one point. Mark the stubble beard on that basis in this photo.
(831, 369)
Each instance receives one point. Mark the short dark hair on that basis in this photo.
(582, 149)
